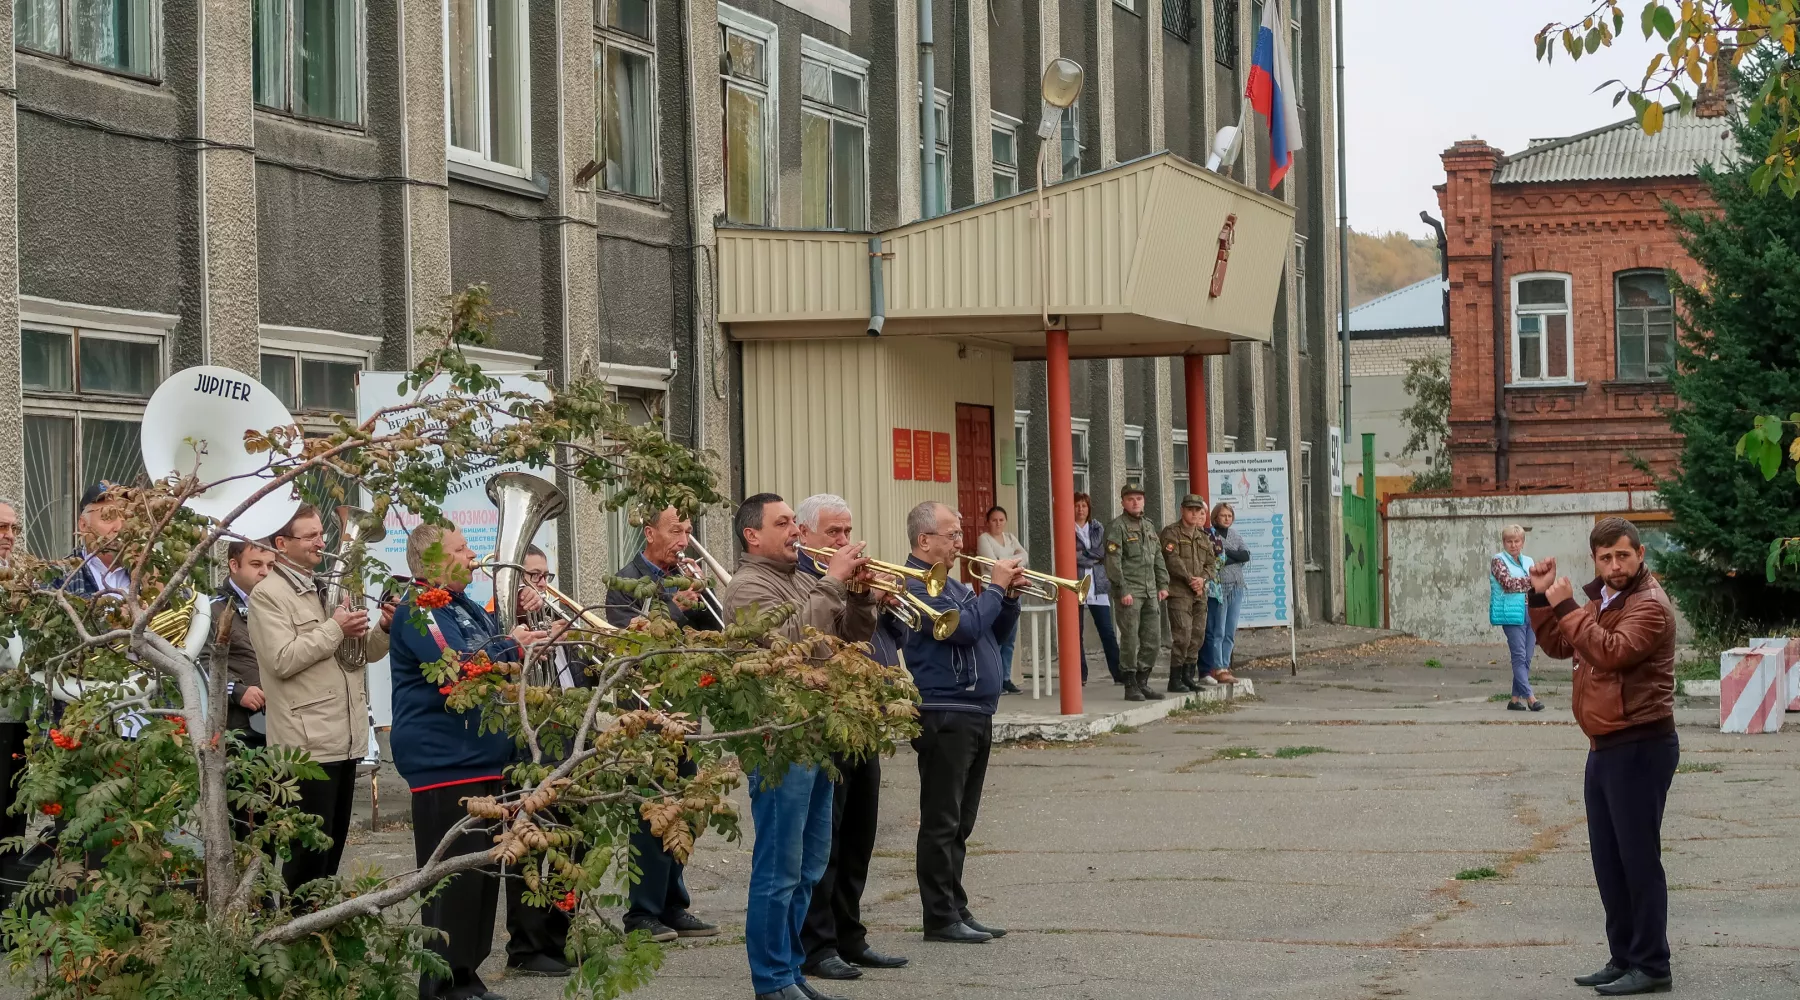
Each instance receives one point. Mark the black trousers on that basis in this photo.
(534, 930)
(661, 889)
(464, 908)
(12, 766)
(1627, 787)
(329, 798)
(834, 918)
(952, 748)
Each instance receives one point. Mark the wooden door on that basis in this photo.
(974, 469)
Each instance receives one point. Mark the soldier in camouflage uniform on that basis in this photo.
(1192, 558)
(1139, 583)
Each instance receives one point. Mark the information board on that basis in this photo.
(1255, 484)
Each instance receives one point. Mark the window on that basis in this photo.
(1130, 5)
(1645, 318)
(115, 35)
(1543, 339)
(1071, 140)
(1178, 475)
(312, 383)
(1296, 61)
(747, 43)
(643, 407)
(1006, 155)
(941, 162)
(834, 130)
(1300, 302)
(1021, 468)
(625, 96)
(307, 58)
(1079, 442)
(1230, 442)
(84, 399)
(1178, 18)
(1134, 456)
(1306, 481)
(486, 62)
(1225, 32)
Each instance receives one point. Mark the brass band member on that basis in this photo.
(959, 681)
(312, 701)
(659, 898)
(793, 818)
(248, 564)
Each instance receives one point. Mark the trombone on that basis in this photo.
(580, 619)
(891, 578)
(699, 569)
(1042, 586)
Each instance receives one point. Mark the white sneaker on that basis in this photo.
(1209, 681)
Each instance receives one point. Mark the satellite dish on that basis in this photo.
(195, 424)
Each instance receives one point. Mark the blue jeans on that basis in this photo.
(1006, 652)
(793, 845)
(1221, 629)
(1519, 644)
(1109, 639)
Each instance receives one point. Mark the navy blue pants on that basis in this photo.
(1627, 787)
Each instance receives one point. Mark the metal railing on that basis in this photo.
(1178, 18)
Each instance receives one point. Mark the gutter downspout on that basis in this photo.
(1502, 431)
(927, 116)
(877, 288)
(1443, 247)
(1343, 194)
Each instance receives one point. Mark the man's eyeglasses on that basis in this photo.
(311, 536)
(538, 578)
(955, 536)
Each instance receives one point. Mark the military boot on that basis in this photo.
(1178, 681)
(1144, 687)
(1132, 691)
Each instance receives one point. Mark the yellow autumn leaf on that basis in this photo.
(1653, 118)
(1794, 450)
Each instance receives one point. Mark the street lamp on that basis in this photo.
(1062, 84)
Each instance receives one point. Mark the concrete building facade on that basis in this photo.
(297, 197)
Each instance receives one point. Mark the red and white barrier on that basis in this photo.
(1758, 683)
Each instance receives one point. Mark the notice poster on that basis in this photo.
(467, 506)
(921, 456)
(1255, 484)
(903, 455)
(940, 455)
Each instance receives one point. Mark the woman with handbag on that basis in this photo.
(1509, 581)
(1224, 597)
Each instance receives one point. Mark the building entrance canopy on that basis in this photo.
(1132, 258)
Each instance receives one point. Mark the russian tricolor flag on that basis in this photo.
(1271, 91)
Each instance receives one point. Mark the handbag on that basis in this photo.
(1214, 591)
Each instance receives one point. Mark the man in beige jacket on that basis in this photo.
(312, 702)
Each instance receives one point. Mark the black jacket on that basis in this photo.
(621, 608)
(231, 648)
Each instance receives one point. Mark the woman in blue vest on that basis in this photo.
(1508, 583)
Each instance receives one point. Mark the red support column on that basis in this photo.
(1194, 369)
(1062, 518)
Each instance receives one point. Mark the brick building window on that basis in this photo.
(1543, 339)
(1644, 319)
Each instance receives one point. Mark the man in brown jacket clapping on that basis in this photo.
(1623, 644)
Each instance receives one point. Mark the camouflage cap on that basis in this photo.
(1194, 500)
(1131, 490)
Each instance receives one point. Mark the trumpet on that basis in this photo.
(1042, 586)
(570, 610)
(891, 578)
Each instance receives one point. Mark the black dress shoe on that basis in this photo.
(687, 925)
(869, 958)
(1516, 706)
(785, 993)
(1634, 982)
(807, 991)
(832, 967)
(976, 925)
(959, 933)
(538, 965)
(1601, 978)
(1537, 706)
(1010, 688)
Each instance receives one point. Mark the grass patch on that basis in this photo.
(1220, 707)
(1482, 680)
(1697, 670)
(1124, 730)
(1237, 753)
(1289, 753)
(1412, 706)
(1699, 768)
(1740, 781)
(1435, 663)
(1499, 696)
(1476, 874)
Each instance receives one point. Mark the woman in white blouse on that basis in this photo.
(998, 543)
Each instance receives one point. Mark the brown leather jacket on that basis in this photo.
(1624, 658)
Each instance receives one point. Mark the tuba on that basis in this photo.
(525, 502)
(356, 529)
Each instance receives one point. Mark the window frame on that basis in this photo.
(477, 158)
(1180, 25)
(362, 74)
(1021, 475)
(606, 35)
(1567, 312)
(305, 343)
(1134, 474)
(1297, 65)
(941, 100)
(1000, 121)
(1081, 427)
(1649, 377)
(1225, 16)
(67, 53)
(1306, 504)
(768, 35)
(1303, 336)
(1069, 132)
(1129, 5)
(850, 64)
(1178, 467)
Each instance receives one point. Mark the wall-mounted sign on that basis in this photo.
(922, 456)
(903, 453)
(940, 456)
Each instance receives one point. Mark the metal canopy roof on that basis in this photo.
(1131, 261)
(1418, 306)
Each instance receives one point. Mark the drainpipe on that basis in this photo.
(1443, 245)
(1501, 358)
(877, 288)
(927, 116)
(1343, 234)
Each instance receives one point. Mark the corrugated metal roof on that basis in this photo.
(1418, 306)
(1621, 151)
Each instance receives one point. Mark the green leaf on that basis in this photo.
(1772, 565)
(1770, 460)
(1593, 41)
(1741, 8)
(1542, 44)
(1772, 429)
(1664, 21)
(1759, 178)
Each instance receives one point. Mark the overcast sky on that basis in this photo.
(1421, 74)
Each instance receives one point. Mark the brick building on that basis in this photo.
(1561, 321)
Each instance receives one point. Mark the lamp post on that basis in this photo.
(1061, 85)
